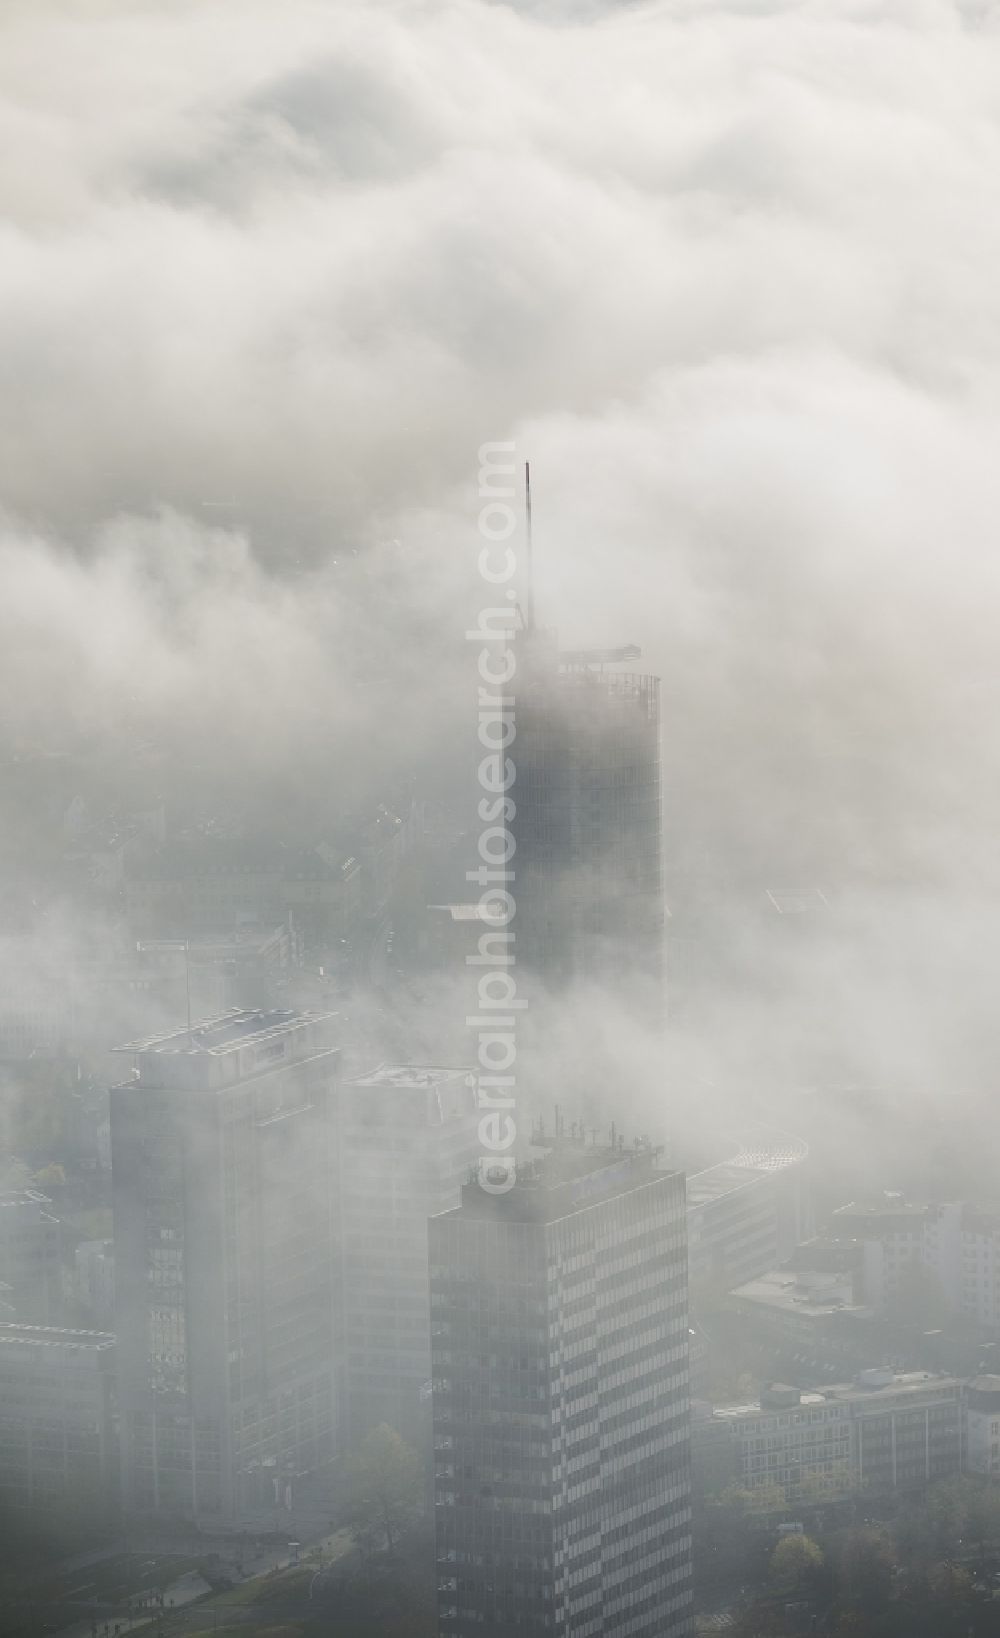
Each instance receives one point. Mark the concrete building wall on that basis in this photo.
(407, 1138)
(983, 1426)
(31, 1250)
(223, 1194)
(58, 1450)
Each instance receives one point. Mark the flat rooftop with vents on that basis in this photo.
(218, 1051)
(411, 1077)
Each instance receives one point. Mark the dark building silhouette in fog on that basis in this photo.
(223, 1154)
(588, 868)
(561, 1407)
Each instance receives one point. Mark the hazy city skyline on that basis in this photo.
(271, 281)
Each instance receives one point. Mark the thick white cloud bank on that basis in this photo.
(726, 272)
(303, 258)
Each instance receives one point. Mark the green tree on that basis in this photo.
(914, 1534)
(964, 1510)
(865, 1570)
(982, 1514)
(765, 1498)
(817, 1489)
(52, 1176)
(950, 1583)
(384, 1489)
(796, 1563)
(849, 1625)
(946, 1514)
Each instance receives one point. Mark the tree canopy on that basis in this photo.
(384, 1489)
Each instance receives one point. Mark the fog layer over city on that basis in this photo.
(726, 275)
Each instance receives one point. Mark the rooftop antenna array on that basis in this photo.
(187, 985)
(529, 586)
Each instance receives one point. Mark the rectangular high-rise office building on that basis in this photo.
(222, 1153)
(588, 866)
(561, 1412)
(407, 1141)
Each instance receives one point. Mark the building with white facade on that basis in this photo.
(880, 1433)
(225, 1264)
(748, 1213)
(953, 1249)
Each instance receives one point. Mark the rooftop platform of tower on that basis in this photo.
(414, 1077)
(16, 1336)
(411, 1096)
(796, 901)
(234, 1045)
(577, 659)
(760, 1153)
(587, 683)
(487, 915)
(719, 1181)
(571, 1177)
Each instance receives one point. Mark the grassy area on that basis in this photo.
(123, 1576)
(278, 1587)
(285, 1630)
(255, 1596)
(89, 1222)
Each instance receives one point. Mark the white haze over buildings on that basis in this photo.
(728, 275)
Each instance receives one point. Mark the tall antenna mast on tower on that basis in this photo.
(529, 585)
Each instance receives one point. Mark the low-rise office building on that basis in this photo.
(947, 1254)
(31, 1256)
(58, 1450)
(880, 1433)
(748, 1213)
